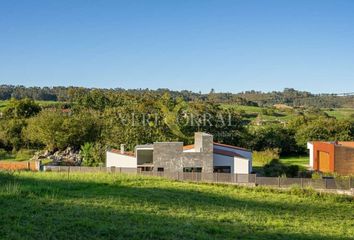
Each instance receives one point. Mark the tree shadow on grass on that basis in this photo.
(71, 209)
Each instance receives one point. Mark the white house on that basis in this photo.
(203, 156)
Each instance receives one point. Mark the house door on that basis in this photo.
(323, 160)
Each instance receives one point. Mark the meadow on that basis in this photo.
(302, 161)
(341, 113)
(105, 206)
(253, 112)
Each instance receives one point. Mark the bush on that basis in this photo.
(275, 169)
(3, 154)
(92, 154)
(24, 154)
(265, 157)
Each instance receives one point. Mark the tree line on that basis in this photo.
(288, 96)
(96, 120)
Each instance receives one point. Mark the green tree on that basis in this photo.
(23, 108)
(324, 129)
(57, 130)
(11, 133)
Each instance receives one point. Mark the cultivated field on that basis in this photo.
(104, 206)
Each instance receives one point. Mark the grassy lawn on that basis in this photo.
(104, 206)
(341, 113)
(302, 161)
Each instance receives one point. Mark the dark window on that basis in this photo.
(160, 169)
(222, 169)
(192, 169)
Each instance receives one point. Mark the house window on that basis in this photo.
(222, 169)
(192, 169)
(160, 169)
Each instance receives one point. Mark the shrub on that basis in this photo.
(92, 154)
(265, 157)
(3, 153)
(24, 154)
(275, 168)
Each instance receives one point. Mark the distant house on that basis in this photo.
(332, 156)
(203, 156)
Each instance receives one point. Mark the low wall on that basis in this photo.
(26, 165)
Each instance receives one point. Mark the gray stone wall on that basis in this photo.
(167, 155)
(170, 155)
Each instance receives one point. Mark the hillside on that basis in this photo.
(274, 114)
(288, 96)
(103, 206)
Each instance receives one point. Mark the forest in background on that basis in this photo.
(288, 96)
(97, 119)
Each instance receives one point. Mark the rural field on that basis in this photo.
(104, 206)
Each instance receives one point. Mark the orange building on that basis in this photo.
(332, 157)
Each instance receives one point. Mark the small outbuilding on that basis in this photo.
(332, 157)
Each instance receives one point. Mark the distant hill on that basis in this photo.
(288, 97)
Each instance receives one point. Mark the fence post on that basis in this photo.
(68, 172)
(255, 179)
(326, 183)
(302, 182)
(350, 183)
(279, 182)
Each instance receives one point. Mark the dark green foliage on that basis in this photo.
(273, 136)
(98, 97)
(22, 108)
(326, 129)
(117, 116)
(275, 169)
(92, 154)
(11, 133)
(57, 130)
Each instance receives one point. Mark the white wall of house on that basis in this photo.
(310, 148)
(120, 160)
(242, 165)
(237, 164)
(222, 160)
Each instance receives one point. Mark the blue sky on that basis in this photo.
(230, 46)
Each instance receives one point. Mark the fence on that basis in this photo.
(26, 165)
(246, 179)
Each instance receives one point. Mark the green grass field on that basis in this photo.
(3, 103)
(339, 113)
(342, 113)
(302, 161)
(104, 206)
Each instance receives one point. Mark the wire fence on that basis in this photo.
(243, 179)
